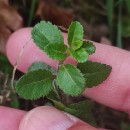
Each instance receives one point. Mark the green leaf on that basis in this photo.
(77, 108)
(79, 55)
(34, 84)
(56, 51)
(95, 73)
(44, 33)
(43, 66)
(89, 47)
(82, 110)
(75, 35)
(70, 80)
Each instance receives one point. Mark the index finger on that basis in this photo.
(114, 92)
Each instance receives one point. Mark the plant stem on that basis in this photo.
(56, 90)
(110, 10)
(119, 27)
(66, 99)
(60, 63)
(31, 12)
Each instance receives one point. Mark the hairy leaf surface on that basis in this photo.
(34, 84)
(70, 80)
(80, 55)
(43, 66)
(95, 73)
(89, 47)
(56, 51)
(44, 33)
(75, 35)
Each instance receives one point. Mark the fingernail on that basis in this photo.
(46, 118)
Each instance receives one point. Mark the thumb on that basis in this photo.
(49, 118)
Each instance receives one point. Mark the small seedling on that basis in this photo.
(68, 81)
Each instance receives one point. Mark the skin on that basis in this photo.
(114, 92)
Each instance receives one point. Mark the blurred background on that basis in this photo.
(104, 21)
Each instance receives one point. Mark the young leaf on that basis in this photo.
(34, 84)
(95, 73)
(43, 66)
(56, 51)
(75, 35)
(80, 55)
(70, 80)
(44, 33)
(89, 47)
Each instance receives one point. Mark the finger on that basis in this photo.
(49, 118)
(114, 92)
(10, 118)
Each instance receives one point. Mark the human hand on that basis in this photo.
(114, 92)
